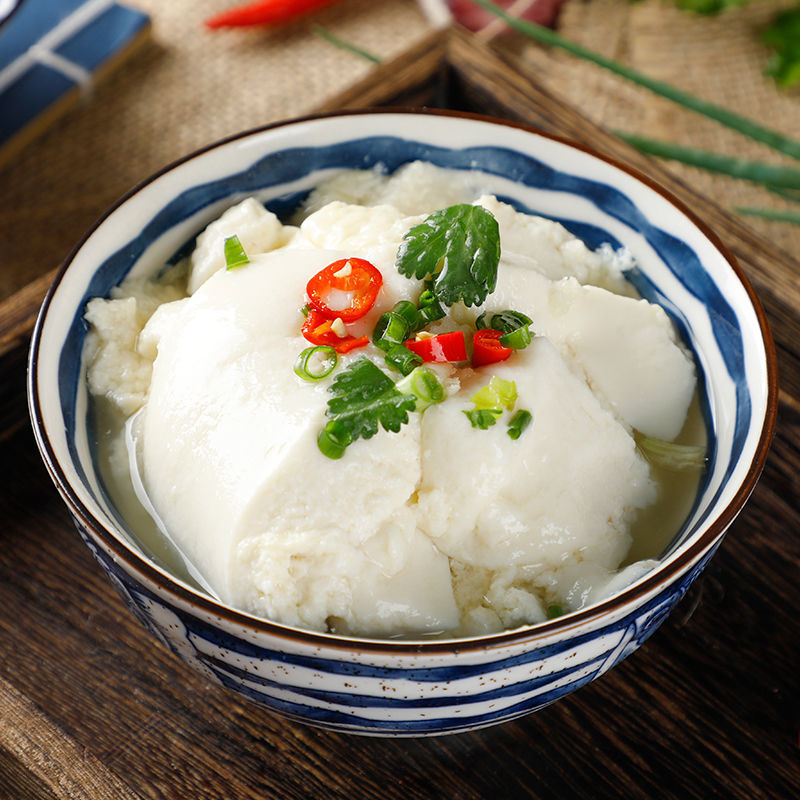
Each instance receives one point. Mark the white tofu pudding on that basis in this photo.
(512, 493)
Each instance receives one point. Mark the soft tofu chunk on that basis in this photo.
(567, 488)
(258, 230)
(230, 460)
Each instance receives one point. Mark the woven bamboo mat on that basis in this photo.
(186, 88)
(189, 86)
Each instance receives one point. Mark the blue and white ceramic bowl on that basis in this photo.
(401, 687)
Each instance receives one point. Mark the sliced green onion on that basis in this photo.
(392, 329)
(518, 423)
(509, 321)
(235, 255)
(315, 363)
(430, 309)
(774, 214)
(514, 327)
(424, 385)
(669, 455)
(333, 439)
(408, 311)
(399, 357)
(325, 34)
(772, 175)
(498, 393)
(743, 125)
(516, 340)
(483, 418)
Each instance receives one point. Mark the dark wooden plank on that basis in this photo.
(705, 707)
(37, 760)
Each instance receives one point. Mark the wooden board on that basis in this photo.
(91, 707)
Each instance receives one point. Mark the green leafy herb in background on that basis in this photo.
(709, 6)
(784, 29)
(783, 36)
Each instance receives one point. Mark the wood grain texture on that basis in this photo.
(707, 708)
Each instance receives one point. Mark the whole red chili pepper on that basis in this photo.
(444, 347)
(486, 347)
(264, 12)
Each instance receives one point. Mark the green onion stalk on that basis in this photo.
(747, 127)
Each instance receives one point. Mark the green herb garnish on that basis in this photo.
(512, 324)
(430, 309)
(554, 611)
(771, 175)
(333, 439)
(235, 255)
(783, 36)
(400, 358)
(459, 248)
(392, 329)
(315, 363)
(364, 398)
(669, 455)
(408, 311)
(774, 214)
(518, 423)
(424, 386)
(497, 394)
(483, 418)
(342, 44)
(750, 128)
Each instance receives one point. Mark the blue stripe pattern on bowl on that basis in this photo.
(396, 688)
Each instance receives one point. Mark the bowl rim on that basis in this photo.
(160, 577)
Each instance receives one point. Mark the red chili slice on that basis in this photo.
(318, 329)
(486, 347)
(359, 280)
(444, 347)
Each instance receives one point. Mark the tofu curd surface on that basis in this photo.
(440, 527)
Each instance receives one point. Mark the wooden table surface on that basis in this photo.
(92, 707)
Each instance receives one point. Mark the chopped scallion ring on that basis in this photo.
(235, 255)
(483, 418)
(391, 330)
(518, 423)
(408, 311)
(498, 393)
(554, 611)
(399, 357)
(430, 309)
(333, 439)
(315, 363)
(424, 385)
(516, 340)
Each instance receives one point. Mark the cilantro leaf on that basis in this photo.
(459, 247)
(364, 397)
